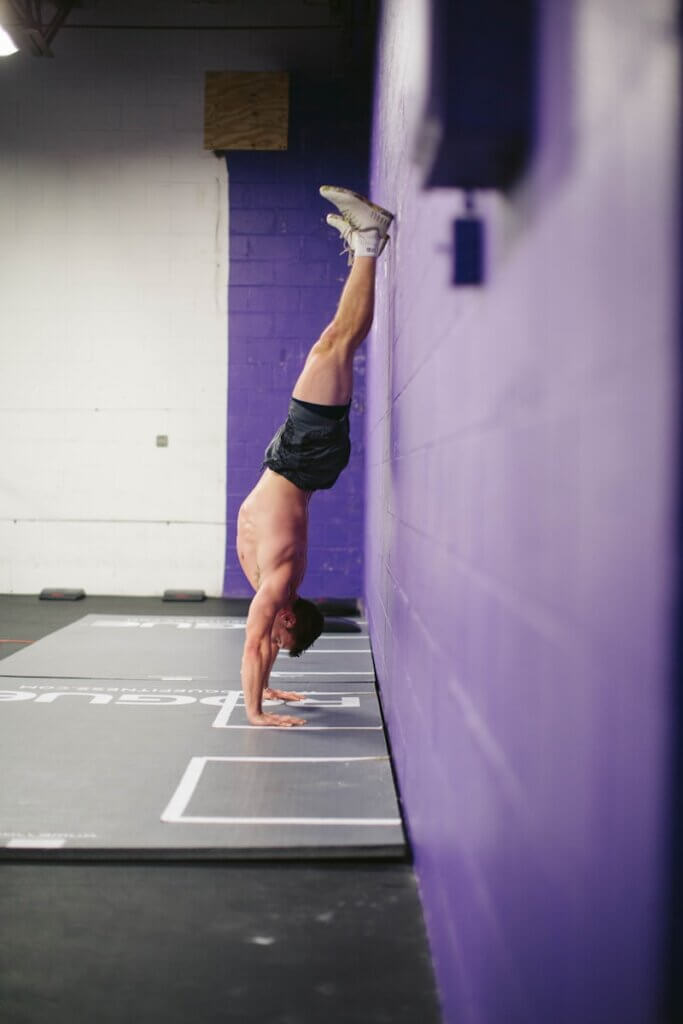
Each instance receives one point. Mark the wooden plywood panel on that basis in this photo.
(246, 109)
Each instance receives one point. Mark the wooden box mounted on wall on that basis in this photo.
(246, 110)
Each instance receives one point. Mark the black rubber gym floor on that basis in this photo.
(287, 942)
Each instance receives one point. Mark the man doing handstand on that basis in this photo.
(307, 454)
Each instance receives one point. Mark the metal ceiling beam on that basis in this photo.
(38, 28)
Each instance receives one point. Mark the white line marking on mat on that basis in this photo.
(311, 728)
(337, 693)
(220, 721)
(283, 821)
(290, 760)
(174, 812)
(331, 650)
(349, 699)
(295, 675)
(35, 844)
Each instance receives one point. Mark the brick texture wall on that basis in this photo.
(113, 271)
(285, 279)
(521, 467)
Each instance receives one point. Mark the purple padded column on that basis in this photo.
(520, 559)
(286, 276)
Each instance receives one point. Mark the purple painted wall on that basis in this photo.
(520, 555)
(286, 276)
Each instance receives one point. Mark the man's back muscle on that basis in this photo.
(272, 530)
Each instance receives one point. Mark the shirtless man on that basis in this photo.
(308, 453)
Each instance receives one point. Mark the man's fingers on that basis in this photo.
(279, 721)
(270, 694)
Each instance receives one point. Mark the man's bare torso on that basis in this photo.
(272, 530)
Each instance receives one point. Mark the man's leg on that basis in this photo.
(327, 376)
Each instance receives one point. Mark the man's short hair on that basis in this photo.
(308, 626)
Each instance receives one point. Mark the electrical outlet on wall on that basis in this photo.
(468, 250)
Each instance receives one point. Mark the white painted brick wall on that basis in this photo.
(113, 278)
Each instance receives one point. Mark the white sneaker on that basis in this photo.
(357, 241)
(357, 210)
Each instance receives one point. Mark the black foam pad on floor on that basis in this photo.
(61, 594)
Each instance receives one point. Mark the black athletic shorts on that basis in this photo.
(310, 449)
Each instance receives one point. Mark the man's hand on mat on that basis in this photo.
(270, 694)
(283, 721)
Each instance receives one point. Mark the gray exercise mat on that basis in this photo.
(179, 648)
(119, 767)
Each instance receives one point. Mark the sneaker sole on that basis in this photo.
(356, 195)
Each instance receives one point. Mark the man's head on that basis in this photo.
(297, 626)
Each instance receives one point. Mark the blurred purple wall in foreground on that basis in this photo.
(521, 490)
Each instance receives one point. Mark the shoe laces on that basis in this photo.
(361, 231)
(347, 249)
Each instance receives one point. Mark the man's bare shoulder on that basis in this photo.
(276, 590)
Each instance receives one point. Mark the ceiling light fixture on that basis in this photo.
(7, 47)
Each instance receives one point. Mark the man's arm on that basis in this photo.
(269, 693)
(258, 655)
